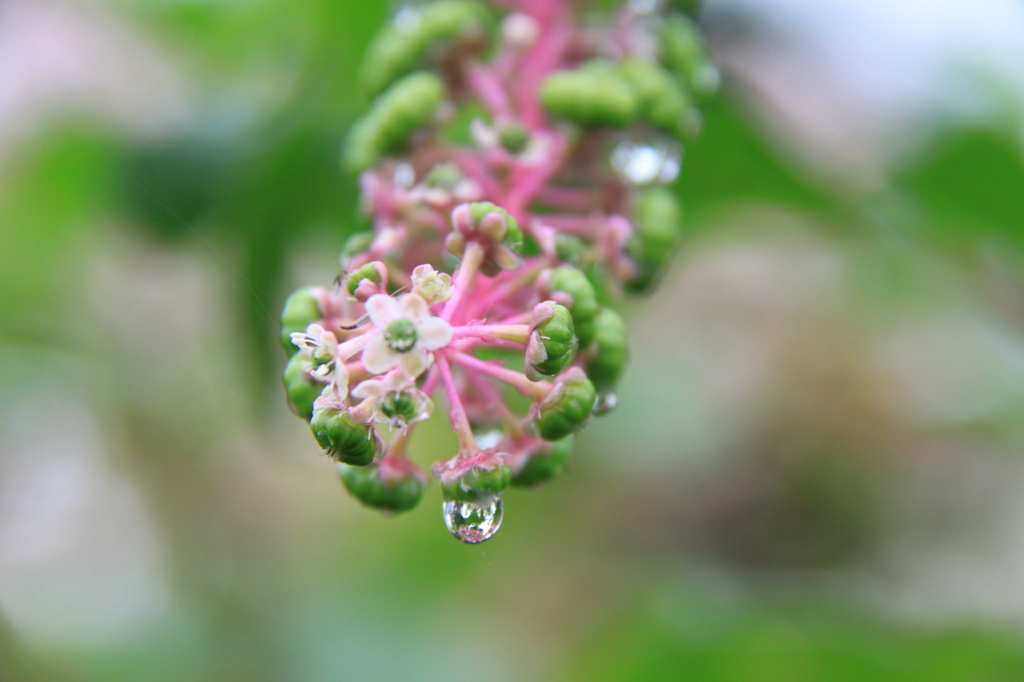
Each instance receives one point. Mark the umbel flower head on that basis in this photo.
(514, 167)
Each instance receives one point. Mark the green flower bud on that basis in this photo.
(553, 343)
(401, 110)
(393, 485)
(567, 407)
(345, 434)
(400, 46)
(299, 387)
(375, 272)
(356, 244)
(569, 249)
(593, 95)
(550, 461)
(571, 288)
(683, 51)
(606, 358)
(300, 310)
(496, 224)
(445, 176)
(514, 137)
(494, 228)
(661, 100)
(657, 220)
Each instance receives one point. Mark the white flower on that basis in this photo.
(321, 346)
(396, 400)
(314, 339)
(406, 331)
(432, 286)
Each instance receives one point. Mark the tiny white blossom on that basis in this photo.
(321, 346)
(315, 338)
(396, 400)
(405, 333)
(431, 285)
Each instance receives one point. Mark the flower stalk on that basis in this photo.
(554, 208)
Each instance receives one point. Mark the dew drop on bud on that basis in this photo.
(707, 79)
(406, 15)
(646, 7)
(605, 403)
(405, 175)
(647, 163)
(475, 521)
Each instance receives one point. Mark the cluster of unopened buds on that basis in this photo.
(514, 164)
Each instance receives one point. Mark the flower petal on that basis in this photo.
(506, 258)
(305, 344)
(340, 380)
(323, 372)
(433, 333)
(377, 357)
(383, 310)
(415, 361)
(424, 405)
(397, 381)
(371, 388)
(413, 307)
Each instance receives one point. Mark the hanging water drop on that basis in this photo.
(605, 403)
(647, 163)
(474, 521)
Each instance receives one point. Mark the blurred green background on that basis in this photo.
(815, 472)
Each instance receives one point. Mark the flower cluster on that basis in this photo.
(514, 165)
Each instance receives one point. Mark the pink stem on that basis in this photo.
(469, 344)
(476, 170)
(492, 332)
(460, 422)
(534, 389)
(493, 396)
(542, 59)
(571, 198)
(581, 225)
(524, 277)
(396, 448)
(489, 89)
(520, 194)
(464, 276)
(431, 382)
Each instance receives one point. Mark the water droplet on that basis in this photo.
(707, 78)
(405, 175)
(605, 403)
(407, 18)
(473, 522)
(485, 440)
(645, 6)
(647, 163)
